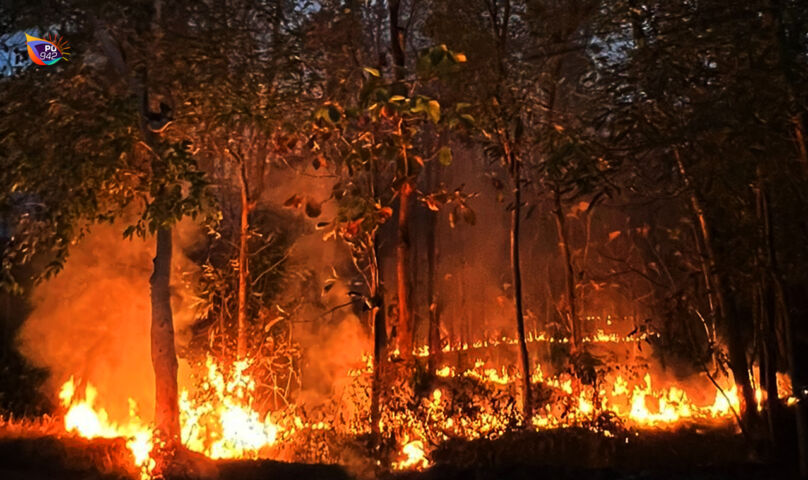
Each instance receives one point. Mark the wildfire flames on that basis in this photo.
(89, 421)
(220, 419)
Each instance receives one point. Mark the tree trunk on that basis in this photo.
(790, 49)
(396, 39)
(377, 318)
(243, 266)
(726, 310)
(781, 301)
(563, 244)
(789, 44)
(403, 254)
(527, 404)
(163, 352)
(403, 274)
(431, 284)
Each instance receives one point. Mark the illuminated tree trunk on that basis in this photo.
(563, 244)
(243, 266)
(403, 274)
(163, 352)
(377, 315)
(527, 405)
(403, 253)
(431, 281)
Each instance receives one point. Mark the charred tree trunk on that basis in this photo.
(563, 244)
(726, 309)
(163, 352)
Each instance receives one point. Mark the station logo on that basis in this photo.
(47, 51)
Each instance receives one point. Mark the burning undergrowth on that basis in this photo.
(425, 415)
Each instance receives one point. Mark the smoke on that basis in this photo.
(332, 332)
(92, 320)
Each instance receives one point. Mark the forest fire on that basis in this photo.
(381, 239)
(219, 420)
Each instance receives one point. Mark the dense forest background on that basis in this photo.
(379, 176)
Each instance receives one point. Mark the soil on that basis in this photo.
(553, 455)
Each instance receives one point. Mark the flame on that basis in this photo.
(414, 456)
(219, 421)
(221, 418)
(88, 421)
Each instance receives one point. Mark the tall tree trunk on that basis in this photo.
(431, 282)
(790, 50)
(403, 253)
(403, 273)
(564, 246)
(396, 39)
(500, 28)
(780, 297)
(790, 46)
(377, 318)
(767, 364)
(163, 352)
(726, 310)
(527, 404)
(243, 265)
(708, 284)
(767, 320)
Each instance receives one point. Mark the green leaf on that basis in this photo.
(433, 109)
(445, 156)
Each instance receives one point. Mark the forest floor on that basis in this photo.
(565, 454)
